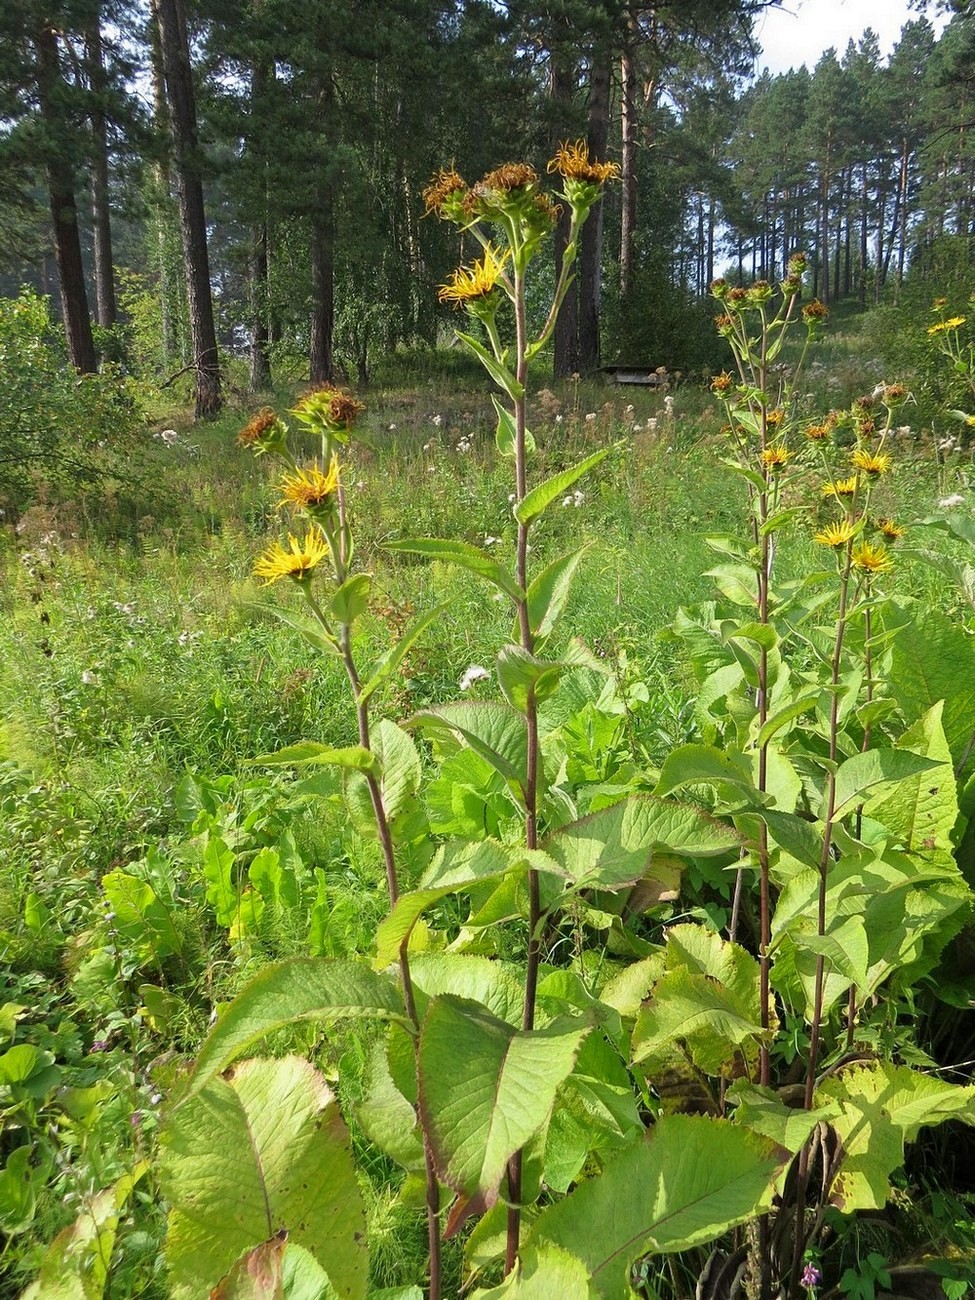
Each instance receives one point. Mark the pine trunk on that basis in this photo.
(591, 242)
(64, 211)
(565, 360)
(106, 310)
(189, 192)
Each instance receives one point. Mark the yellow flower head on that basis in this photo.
(263, 433)
(836, 535)
(872, 558)
(721, 383)
(310, 489)
(843, 487)
(951, 324)
(774, 418)
(473, 283)
(889, 529)
(297, 562)
(572, 161)
(774, 457)
(871, 463)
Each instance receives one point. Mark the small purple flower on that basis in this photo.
(99, 1045)
(811, 1277)
(135, 1119)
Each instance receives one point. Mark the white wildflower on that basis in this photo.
(437, 421)
(948, 503)
(473, 673)
(590, 418)
(491, 541)
(169, 436)
(558, 419)
(89, 678)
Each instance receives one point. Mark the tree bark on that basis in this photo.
(628, 123)
(189, 192)
(321, 368)
(566, 341)
(591, 241)
(64, 211)
(106, 310)
(257, 266)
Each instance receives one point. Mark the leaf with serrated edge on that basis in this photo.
(304, 988)
(486, 1088)
(464, 556)
(260, 1151)
(539, 498)
(692, 1179)
(311, 752)
(548, 593)
(541, 1274)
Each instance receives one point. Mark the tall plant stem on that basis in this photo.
(340, 558)
(802, 1179)
(851, 1006)
(531, 774)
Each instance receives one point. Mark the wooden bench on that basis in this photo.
(644, 376)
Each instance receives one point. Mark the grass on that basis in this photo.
(133, 651)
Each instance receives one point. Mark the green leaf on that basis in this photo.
(221, 893)
(393, 657)
(352, 598)
(540, 498)
(140, 915)
(932, 659)
(736, 583)
(617, 846)
(692, 1179)
(261, 1151)
(75, 1265)
(507, 435)
(523, 678)
(399, 763)
(921, 810)
(304, 988)
(494, 731)
(706, 765)
(782, 717)
(465, 556)
(257, 1275)
(501, 375)
(485, 1089)
(387, 1117)
(457, 865)
(763, 1111)
(881, 1107)
(549, 592)
(542, 1273)
(310, 751)
(862, 772)
(311, 631)
(22, 1180)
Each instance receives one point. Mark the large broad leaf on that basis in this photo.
(312, 632)
(763, 1111)
(464, 556)
(305, 988)
(539, 498)
(882, 1106)
(932, 659)
(75, 1265)
(706, 765)
(311, 752)
(615, 847)
(922, 810)
(525, 680)
(485, 1089)
(140, 915)
(500, 373)
(692, 1179)
(399, 762)
(497, 986)
(863, 772)
(542, 1273)
(495, 731)
(259, 1152)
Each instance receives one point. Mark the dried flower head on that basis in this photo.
(814, 312)
(296, 562)
(722, 383)
(509, 176)
(445, 191)
(263, 433)
(894, 394)
(327, 408)
(817, 432)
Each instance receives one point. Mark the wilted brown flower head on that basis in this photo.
(814, 311)
(445, 185)
(573, 162)
(509, 176)
(257, 427)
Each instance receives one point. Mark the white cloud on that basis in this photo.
(802, 30)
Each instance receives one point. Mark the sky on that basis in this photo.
(801, 30)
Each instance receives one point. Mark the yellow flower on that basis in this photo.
(774, 457)
(871, 463)
(308, 489)
(721, 383)
(573, 162)
(297, 563)
(816, 432)
(509, 176)
(774, 418)
(872, 558)
(475, 282)
(836, 534)
(843, 487)
(951, 324)
(889, 529)
(327, 407)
